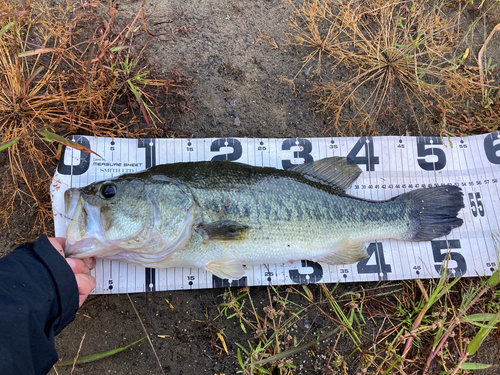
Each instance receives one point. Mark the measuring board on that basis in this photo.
(390, 165)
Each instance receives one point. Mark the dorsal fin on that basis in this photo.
(333, 171)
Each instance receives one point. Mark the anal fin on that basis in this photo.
(226, 269)
(351, 252)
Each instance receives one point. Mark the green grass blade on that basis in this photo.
(308, 293)
(240, 360)
(57, 138)
(119, 48)
(494, 279)
(142, 105)
(295, 350)
(243, 348)
(482, 334)
(441, 289)
(6, 27)
(7, 144)
(478, 317)
(97, 356)
(474, 366)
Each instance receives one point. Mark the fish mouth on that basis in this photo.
(82, 248)
(71, 197)
(83, 237)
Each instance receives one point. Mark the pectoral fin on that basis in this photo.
(226, 269)
(346, 254)
(223, 230)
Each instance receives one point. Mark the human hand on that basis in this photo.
(80, 267)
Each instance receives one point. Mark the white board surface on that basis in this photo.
(391, 166)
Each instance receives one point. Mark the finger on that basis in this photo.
(78, 266)
(86, 283)
(57, 244)
(61, 241)
(90, 262)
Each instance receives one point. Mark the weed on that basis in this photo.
(420, 327)
(94, 357)
(66, 70)
(411, 55)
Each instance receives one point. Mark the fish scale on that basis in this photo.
(312, 230)
(220, 216)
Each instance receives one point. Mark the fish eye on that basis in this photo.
(107, 190)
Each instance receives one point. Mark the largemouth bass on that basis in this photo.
(221, 216)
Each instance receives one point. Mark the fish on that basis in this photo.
(223, 216)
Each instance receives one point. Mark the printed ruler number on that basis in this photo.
(424, 151)
(369, 159)
(217, 282)
(304, 152)
(441, 256)
(150, 152)
(380, 267)
(84, 164)
(344, 272)
(226, 142)
(476, 204)
(491, 148)
(305, 278)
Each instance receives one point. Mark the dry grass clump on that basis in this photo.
(72, 69)
(410, 58)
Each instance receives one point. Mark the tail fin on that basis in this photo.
(433, 211)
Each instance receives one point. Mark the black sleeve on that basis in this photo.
(38, 298)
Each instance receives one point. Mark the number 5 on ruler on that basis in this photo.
(476, 204)
(443, 257)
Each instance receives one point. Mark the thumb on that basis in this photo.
(86, 283)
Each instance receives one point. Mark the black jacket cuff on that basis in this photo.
(64, 280)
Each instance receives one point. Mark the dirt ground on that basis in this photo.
(236, 77)
(237, 93)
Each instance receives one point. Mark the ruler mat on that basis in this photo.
(391, 166)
